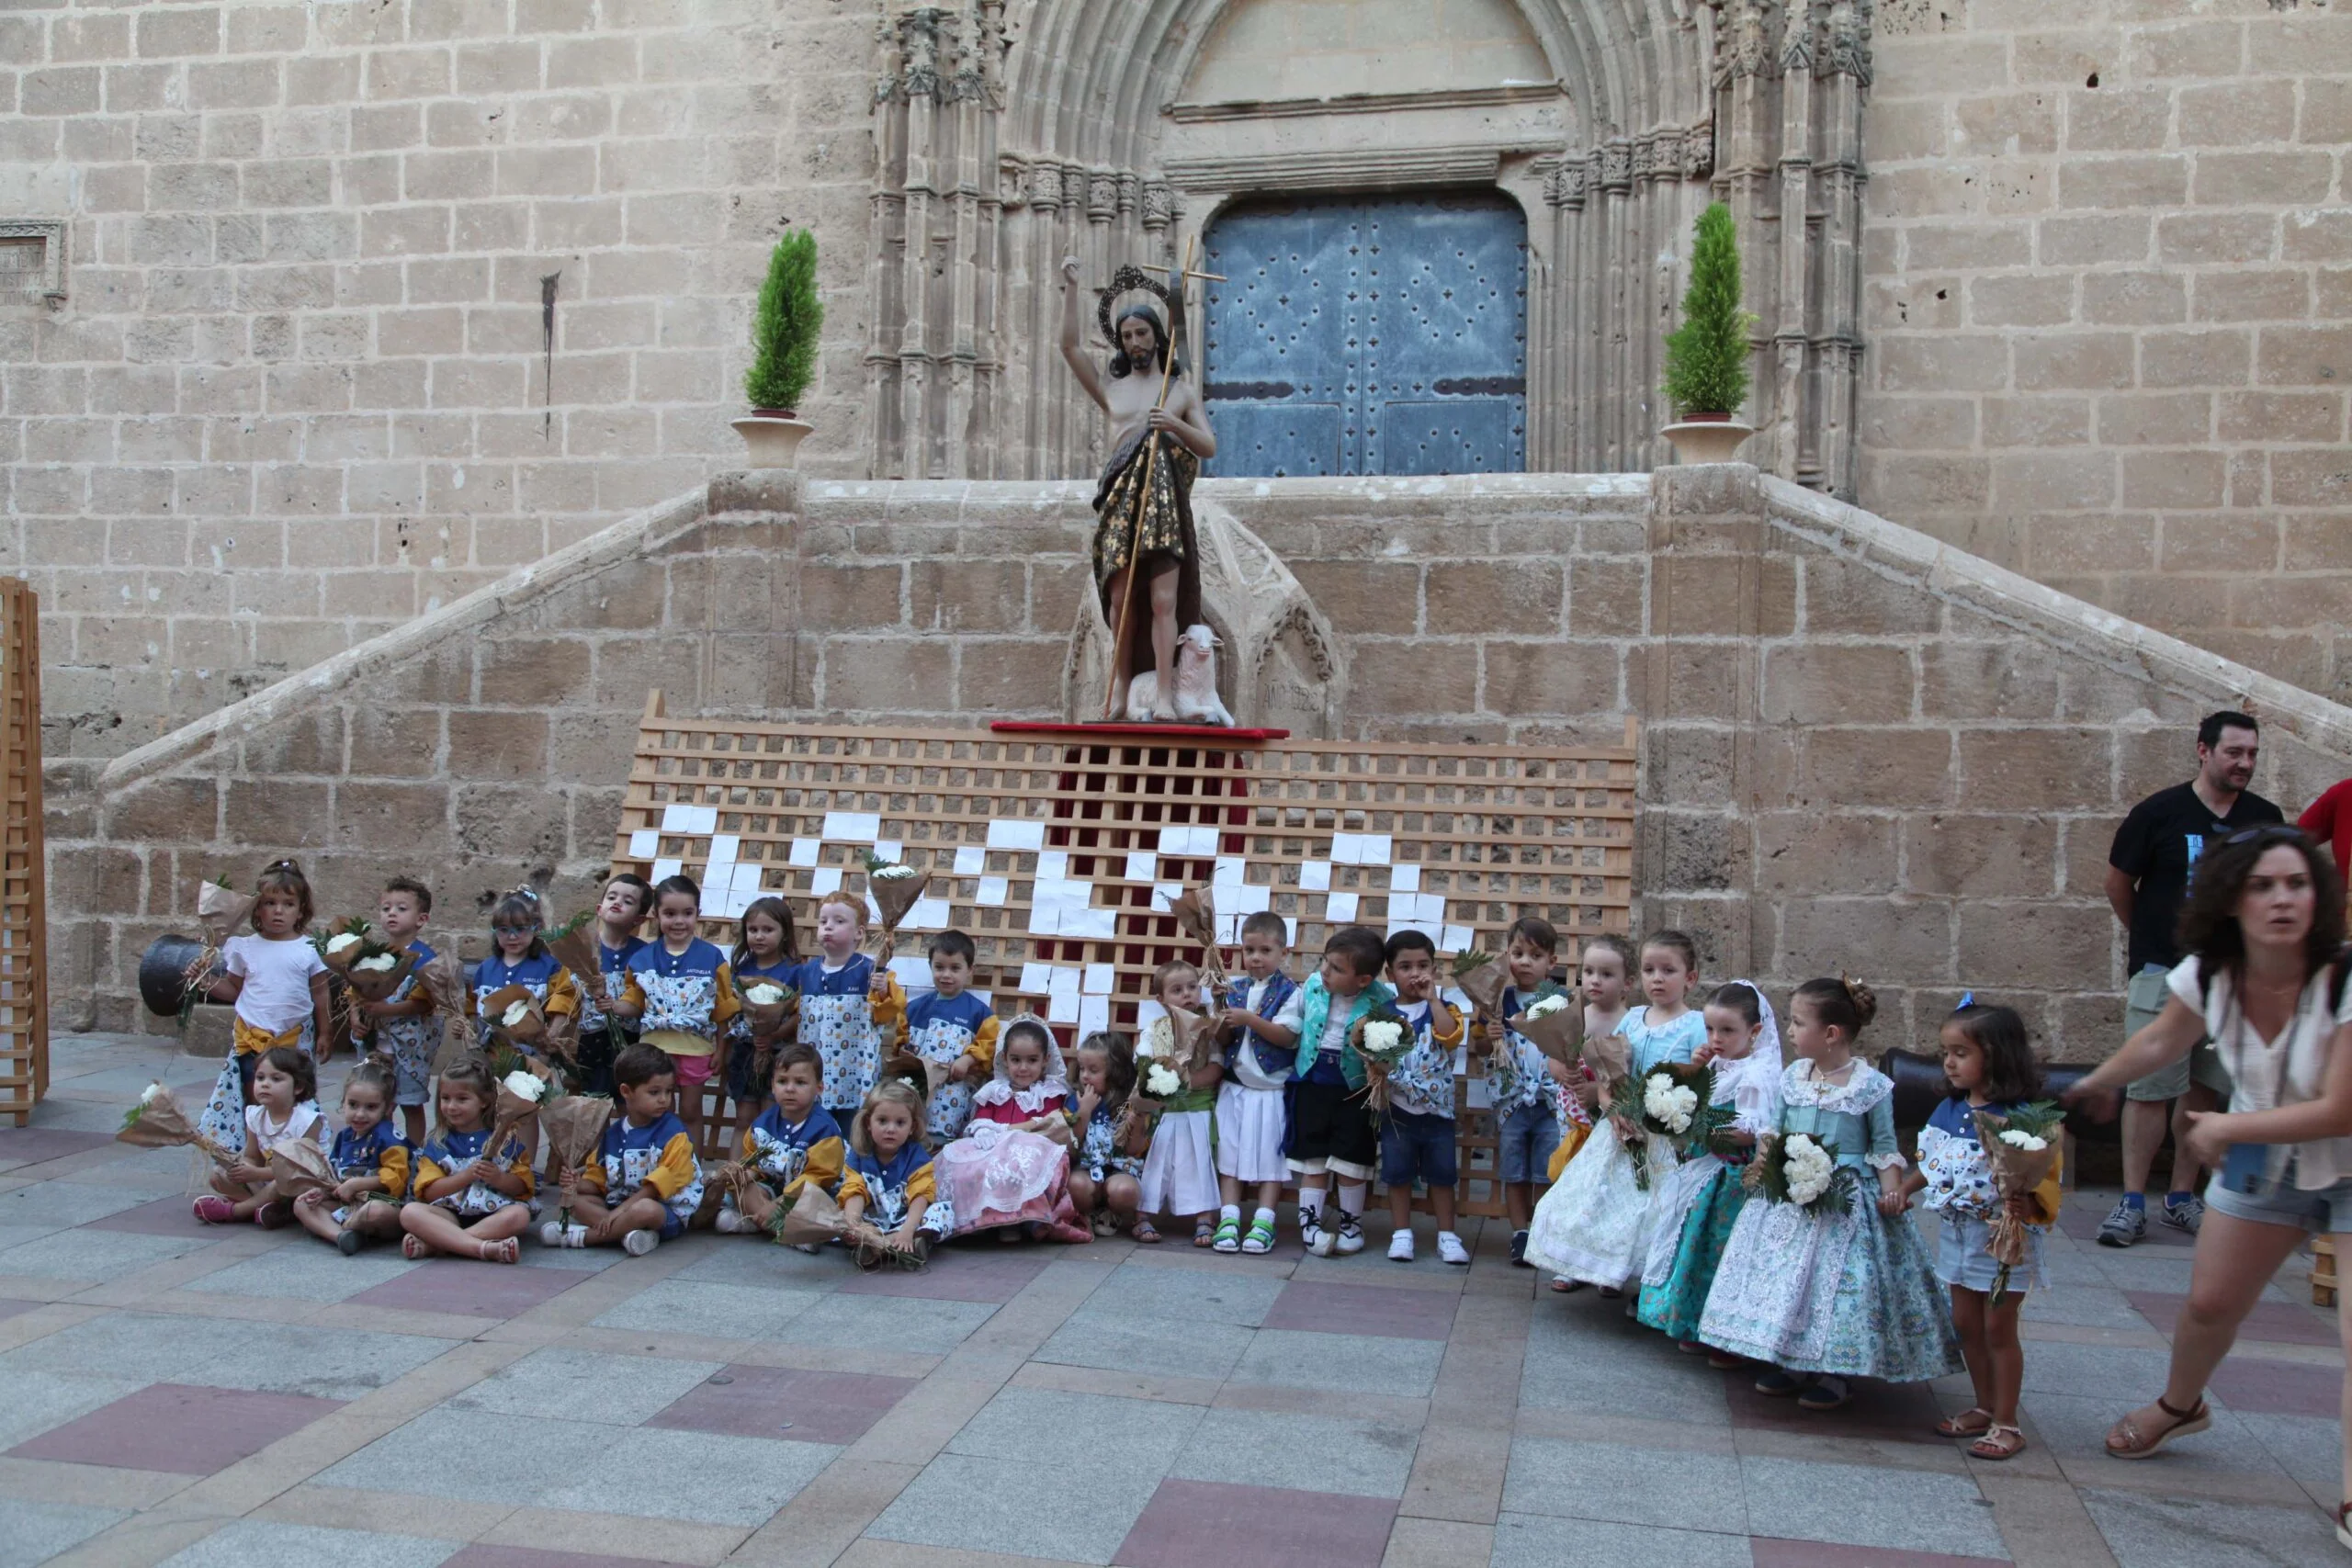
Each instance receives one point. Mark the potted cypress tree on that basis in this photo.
(784, 352)
(1706, 356)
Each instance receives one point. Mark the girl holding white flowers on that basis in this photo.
(1179, 1171)
(1699, 1203)
(1592, 1228)
(764, 955)
(1989, 1063)
(1830, 1284)
(519, 957)
(470, 1201)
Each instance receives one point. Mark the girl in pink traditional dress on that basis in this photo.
(1010, 1171)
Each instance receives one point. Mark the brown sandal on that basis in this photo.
(2137, 1444)
(1995, 1445)
(507, 1251)
(1959, 1426)
(1144, 1233)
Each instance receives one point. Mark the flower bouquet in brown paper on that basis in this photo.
(879, 1249)
(2023, 1150)
(772, 1012)
(514, 1018)
(1195, 912)
(815, 1217)
(1482, 978)
(574, 943)
(298, 1165)
(895, 887)
(158, 1121)
(443, 980)
(572, 1126)
(1554, 1021)
(1612, 1061)
(523, 1090)
(220, 910)
(919, 1072)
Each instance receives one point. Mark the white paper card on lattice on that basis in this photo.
(645, 844)
(1373, 849)
(1142, 867)
(726, 849)
(665, 869)
(1062, 1007)
(825, 879)
(1315, 876)
(913, 973)
(1101, 979)
(1006, 833)
(1147, 1013)
(889, 849)
(993, 891)
(1340, 909)
(1232, 871)
(1034, 976)
(677, 818)
(1093, 1015)
(1290, 930)
(805, 853)
(1252, 900)
(1053, 865)
(930, 915)
(853, 827)
(1347, 849)
(1405, 879)
(1165, 893)
(971, 860)
(1457, 939)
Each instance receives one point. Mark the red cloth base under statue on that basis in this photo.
(1197, 734)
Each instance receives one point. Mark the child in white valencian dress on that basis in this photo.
(1417, 1136)
(1842, 1288)
(519, 957)
(794, 1144)
(849, 1005)
(951, 1025)
(1696, 1205)
(279, 985)
(1105, 1181)
(468, 1201)
(764, 952)
(1179, 1171)
(644, 1183)
(371, 1166)
(1988, 1062)
(1251, 1121)
(1594, 1226)
(682, 995)
(888, 1181)
(405, 1027)
(286, 1086)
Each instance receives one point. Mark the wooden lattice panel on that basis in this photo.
(1060, 852)
(24, 923)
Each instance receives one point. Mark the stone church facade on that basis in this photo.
(321, 316)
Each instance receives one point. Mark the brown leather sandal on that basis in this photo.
(2137, 1444)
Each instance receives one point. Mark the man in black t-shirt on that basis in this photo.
(2148, 873)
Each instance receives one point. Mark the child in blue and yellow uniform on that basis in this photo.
(954, 1026)
(405, 1026)
(371, 1167)
(520, 957)
(763, 951)
(849, 1005)
(795, 1144)
(682, 994)
(469, 1201)
(645, 1183)
(889, 1185)
(626, 899)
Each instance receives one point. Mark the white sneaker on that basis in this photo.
(1400, 1247)
(731, 1221)
(551, 1233)
(1317, 1241)
(637, 1243)
(1451, 1250)
(1350, 1234)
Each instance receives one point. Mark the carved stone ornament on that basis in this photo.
(1796, 39)
(1846, 41)
(1101, 196)
(1159, 204)
(1011, 182)
(1698, 150)
(1074, 187)
(1617, 164)
(1046, 186)
(1743, 41)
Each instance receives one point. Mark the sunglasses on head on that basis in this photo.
(2273, 833)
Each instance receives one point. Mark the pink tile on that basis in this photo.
(2276, 1388)
(469, 1289)
(176, 1428)
(164, 1216)
(1190, 1522)
(1771, 1553)
(780, 1402)
(959, 1274)
(31, 1146)
(1902, 1413)
(2281, 1322)
(10, 1308)
(530, 1557)
(1383, 1311)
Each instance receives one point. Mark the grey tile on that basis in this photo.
(35, 1532)
(584, 1385)
(1156, 1347)
(653, 1472)
(764, 1266)
(328, 1363)
(2307, 1448)
(2205, 1463)
(1300, 1453)
(902, 1323)
(2167, 1268)
(2053, 1367)
(1351, 1363)
(1048, 1427)
(721, 1312)
(1911, 1510)
(1619, 1485)
(2084, 1306)
(97, 1256)
(31, 1403)
(260, 1543)
(1191, 1295)
(1609, 1368)
(2154, 1531)
(567, 1259)
(963, 1501)
(57, 1204)
(307, 1269)
(1530, 1541)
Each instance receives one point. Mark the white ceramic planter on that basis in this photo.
(1707, 440)
(773, 442)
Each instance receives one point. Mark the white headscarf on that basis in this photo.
(1054, 1082)
(1751, 1085)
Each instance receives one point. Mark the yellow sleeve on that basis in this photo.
(2046, 1198)
(391, 1169)
(428, 1173)
(744, 1149)
(983, 1046)
(677, 1169)
(564, 993)
(852, 1186)
(1449, 1039)
(632, 993)
(724, 1003)
(920, 1188)
(822, 1169)
(592, 1176)
(471, 1002)
(890, 1012)
(521, 1166)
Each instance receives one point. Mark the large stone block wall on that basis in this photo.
(1860, 750)
(299, 390)
(2108, 258)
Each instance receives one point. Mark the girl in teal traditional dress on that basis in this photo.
(1698, 1202)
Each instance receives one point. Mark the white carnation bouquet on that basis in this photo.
(2021, 1149)
(1383, 1037)
(1797, 1167)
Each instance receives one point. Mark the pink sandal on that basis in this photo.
(216, 1210)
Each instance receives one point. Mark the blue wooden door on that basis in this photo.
(1369, 337)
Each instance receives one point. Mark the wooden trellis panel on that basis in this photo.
(1059, 849)
(24, 923)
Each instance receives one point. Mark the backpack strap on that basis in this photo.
(2339, 970)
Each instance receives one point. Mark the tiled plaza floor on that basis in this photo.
(174, 1395)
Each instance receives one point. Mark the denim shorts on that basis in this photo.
(2323, 1209)
(1416, 1145)
(1961, 1258)
(1528, 1136)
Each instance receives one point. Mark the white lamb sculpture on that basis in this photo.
(1196, 698)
